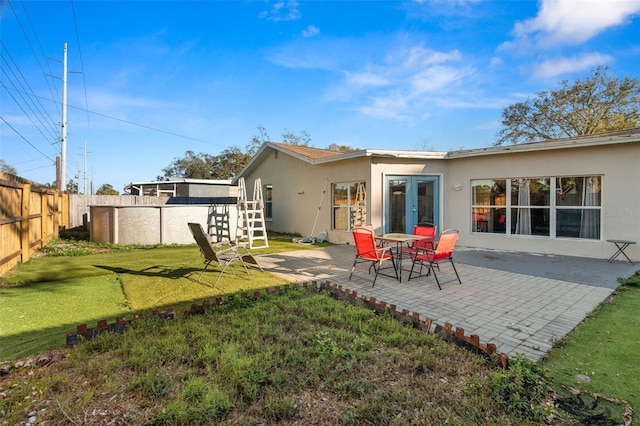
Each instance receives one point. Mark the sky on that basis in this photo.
(150, 80)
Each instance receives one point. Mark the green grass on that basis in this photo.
(605, 347)
(47, 297)
(36, 317)
(298, 357)
(43, 299)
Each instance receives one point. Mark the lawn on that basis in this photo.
(43, 299)
(295, 358)
(604, 349)
(47, 296)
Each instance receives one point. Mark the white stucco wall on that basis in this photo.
(619, 166)
(297, 192)
(298, 186)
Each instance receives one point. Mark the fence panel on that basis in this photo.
(29, 216)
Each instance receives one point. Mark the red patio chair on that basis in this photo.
(424, 230)
(432, 258)
(368, 251)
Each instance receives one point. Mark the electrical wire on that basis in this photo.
(25, 139)
(84, 81)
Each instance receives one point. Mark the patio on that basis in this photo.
(521, 302)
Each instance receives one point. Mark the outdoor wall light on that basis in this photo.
(457, 186)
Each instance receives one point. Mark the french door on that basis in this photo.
(410, 200)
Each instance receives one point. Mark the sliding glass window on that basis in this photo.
(556, 207)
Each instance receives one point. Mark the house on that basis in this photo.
(565, 196)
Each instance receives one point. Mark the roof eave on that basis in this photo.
(546, 146)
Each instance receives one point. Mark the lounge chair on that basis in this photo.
(223, 253)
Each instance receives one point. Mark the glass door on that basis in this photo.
(411, 200)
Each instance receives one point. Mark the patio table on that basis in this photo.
(621, 246)
(399, 239)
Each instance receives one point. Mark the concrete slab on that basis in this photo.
(521, 302)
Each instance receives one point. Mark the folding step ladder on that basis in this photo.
(250, 224)
(359, 215)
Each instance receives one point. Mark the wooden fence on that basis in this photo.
(30, 215)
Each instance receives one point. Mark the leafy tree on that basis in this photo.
(192, 165)
(204, 166)
(303, 139)
(72, 187)
(598, 104)
(107, 189)
(229, 162)
(6, 168)
(342, 148)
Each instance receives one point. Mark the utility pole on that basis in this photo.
(84, 186)
(63, 139)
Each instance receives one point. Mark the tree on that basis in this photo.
(229, 162)
(342, 148)
(598, 104)
(192, 165)
(6, 168)
(302, 139)
(72, 186)
(107, 189)
(204, 166)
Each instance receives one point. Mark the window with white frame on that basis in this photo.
(348, 205)
(268, 201)
(489, 205)
(556, 207)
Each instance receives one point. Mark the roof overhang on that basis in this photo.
(577, 142)
(604, 139)
(268, 147)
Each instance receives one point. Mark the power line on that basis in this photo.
(25, 139)
(168, 132)
(21, 108)
(84, 81)
(19, 78)
(53, 92)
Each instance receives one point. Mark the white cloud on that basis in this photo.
(381, 77)
(366, 79)
(282, 11)
(555, 67)
(574, 22)
(406, 84)
(434, 79)
(310, 31)
(495, 62)
(420, 56)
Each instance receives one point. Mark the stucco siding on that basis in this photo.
(297, 192)
(298, 185)
(617, 164)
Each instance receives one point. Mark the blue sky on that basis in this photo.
(149, 80)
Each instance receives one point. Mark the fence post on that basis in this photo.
(65, 210)
(44, 218)
(24, 222)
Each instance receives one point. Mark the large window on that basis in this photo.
(578, 207)
(554, 207)
(488, 211)
(348, 205)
